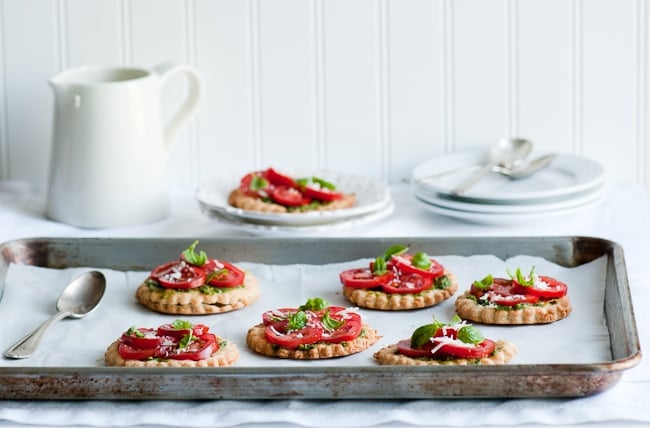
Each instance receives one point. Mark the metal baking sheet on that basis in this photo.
(330, 382)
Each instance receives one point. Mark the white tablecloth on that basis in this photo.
(623, 217)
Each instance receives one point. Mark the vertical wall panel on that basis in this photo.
(287, 83)
(223, 54)
(609, 88)
(99, 18)
(480, 71)
(544, 74)
(31, 56)
(416, 94)
(351, 91)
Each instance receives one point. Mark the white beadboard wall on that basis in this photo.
(369, 86)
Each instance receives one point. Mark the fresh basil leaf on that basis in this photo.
(395, 250)
(323, 183)
(215, 274)
(314, 304)
(379, 266)
(521, 279)
(185, 340)
(421, 261)
(422, 334)
(302, 182)
(182, 325)
(259, 183)
(330, 323)
(485, 283)
(133, 331)
(297, 321)
(470, 334)
(191, 256)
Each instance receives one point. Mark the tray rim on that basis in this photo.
(604, 374)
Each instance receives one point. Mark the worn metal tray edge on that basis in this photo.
(341, 382)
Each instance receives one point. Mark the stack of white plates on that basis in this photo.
(568, 184)
(373, 202)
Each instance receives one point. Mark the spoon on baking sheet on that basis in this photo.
(506, 153)
(77, 300)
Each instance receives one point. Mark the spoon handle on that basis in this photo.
(472, 179)
(26, 346)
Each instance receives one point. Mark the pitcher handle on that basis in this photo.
(166, 72)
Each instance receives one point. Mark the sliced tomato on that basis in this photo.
(404, 348)
(255, 184)
(511, 299)
(554, 289)
(199, 348)
(480, 350)
(288, 196)
(146, 339)
(322, 194)
(403, 262)
(129, 352)
(364, 278)
(178, 274)
(408, 283)
(178, 333)
(223, 274)
(278, 179)
(277, 315)
(293, 339)
(348, 331)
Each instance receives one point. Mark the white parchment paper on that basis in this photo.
(31, 292)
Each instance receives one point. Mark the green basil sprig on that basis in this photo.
(484, 283)
(191, 256)
(528, 281)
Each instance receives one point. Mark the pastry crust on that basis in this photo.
(503, 353)
(541, 313)
(380, 300)
(256, 340)
(193, 302)
(239, 199)
(227, 355)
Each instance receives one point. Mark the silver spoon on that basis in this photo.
(526, 169)
(77, 300)
(506, 153)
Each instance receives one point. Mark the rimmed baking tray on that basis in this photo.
(331, 382)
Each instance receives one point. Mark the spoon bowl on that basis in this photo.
(506, 153)
(77, 300)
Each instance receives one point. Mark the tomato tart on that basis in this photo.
(519, 299)
(177, 344)
(272, 191)
(398, 280)
(456, 343)
(195, 285)
(312, 331)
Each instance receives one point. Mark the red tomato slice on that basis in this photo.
(403, 263)
(178, 333)
(278, 179)
(227, 275)
(129, 352)
(246, 184)
(348, 331)
(408, 283)
(150, 340)
(200, 348)
(480, 350)
(178, 274)
(510, 299)
(287, 196)
(364, 278)
(554, 289)
(322, 194)
(404, 348)
(294, 338)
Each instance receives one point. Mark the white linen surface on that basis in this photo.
(622, 217)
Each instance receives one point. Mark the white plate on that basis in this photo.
(507, 219)
(576, 200)
(566, 176)
(371, 196)
(267, 229)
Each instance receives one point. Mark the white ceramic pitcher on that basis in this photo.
(110, 149)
